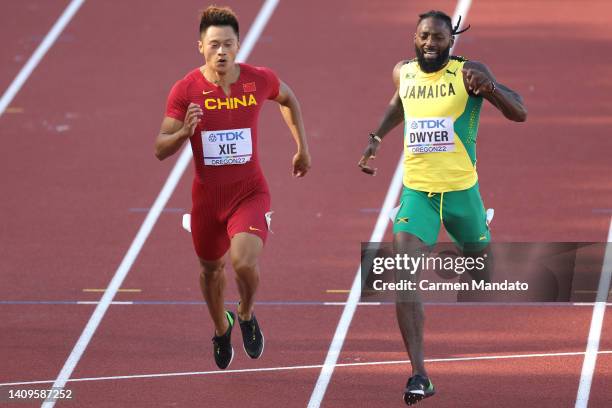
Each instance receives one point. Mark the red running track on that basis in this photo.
(81, 169)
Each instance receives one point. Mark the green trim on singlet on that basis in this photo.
(466, 125)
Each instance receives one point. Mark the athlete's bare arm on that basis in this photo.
(292, 114)
(393, 116)
(479, 80)
(173, 133)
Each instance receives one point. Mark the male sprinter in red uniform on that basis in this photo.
(216, 107)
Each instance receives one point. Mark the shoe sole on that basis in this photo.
(413, 398)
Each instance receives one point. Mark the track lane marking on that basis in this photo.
(313, 366)
(37, 56)
(599, 310)
(94, 290)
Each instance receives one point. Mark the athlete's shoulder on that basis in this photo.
(457, 61)
(178, 99)
(474, 64)
(264, 79)
(478, 66)
(192, 76)
(397, 69)
(411, 66)
(248, 69)
(403, 62)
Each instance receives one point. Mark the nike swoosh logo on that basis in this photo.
(253, 229)
(206, 92)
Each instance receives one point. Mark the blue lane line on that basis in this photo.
(165, 210)
(370, 210)
(38, 302)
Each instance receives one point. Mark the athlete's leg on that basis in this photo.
(212, 284)
(244, 251)
(248, 228)
(415, 228)
(211, 243)
(465, 221)
(409, 307)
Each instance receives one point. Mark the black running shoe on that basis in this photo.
(222, 345)
(418, 388)
(252, 337)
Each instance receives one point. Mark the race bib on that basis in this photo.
(223, 147)
(430, 135)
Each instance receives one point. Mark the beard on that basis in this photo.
(430, 66)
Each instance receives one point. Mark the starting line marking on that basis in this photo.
(306, 367)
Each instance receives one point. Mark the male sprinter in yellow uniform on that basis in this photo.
(439, 98)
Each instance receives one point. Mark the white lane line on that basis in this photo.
(261, 303)
(590, 357)
(306, 367)
(143, 233)
(463, 6)
(39, 53)
(353, 299)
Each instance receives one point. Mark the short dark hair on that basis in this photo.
(219, 16)
(445, 18)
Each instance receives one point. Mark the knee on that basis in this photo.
(404, 242)
(244, 265)
(211, 270)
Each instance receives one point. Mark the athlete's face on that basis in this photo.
(432, 44)
(219, 46)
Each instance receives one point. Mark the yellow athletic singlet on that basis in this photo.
(441, 124)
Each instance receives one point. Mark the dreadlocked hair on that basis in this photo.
(440, 15)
